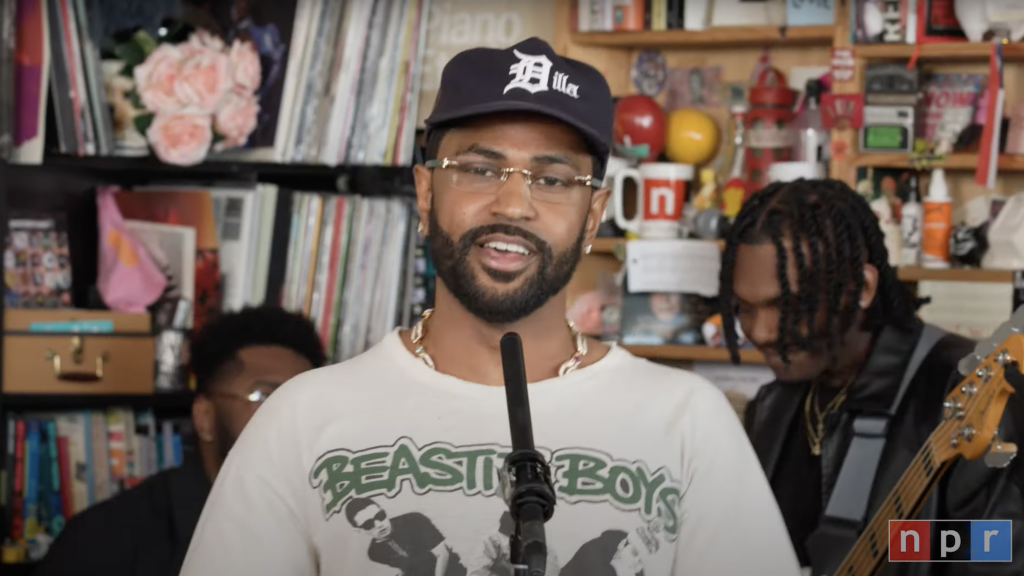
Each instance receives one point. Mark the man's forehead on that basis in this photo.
(756, 271)
(540, 133)
(266, 363)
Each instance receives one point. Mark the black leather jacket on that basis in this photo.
(969, 491)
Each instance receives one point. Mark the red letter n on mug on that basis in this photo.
(909, 540)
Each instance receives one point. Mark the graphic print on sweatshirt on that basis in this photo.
(389, 496)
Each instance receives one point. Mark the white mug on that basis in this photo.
(661, 194)
(790, 171)
(616, 164)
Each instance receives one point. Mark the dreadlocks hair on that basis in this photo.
(836, 227)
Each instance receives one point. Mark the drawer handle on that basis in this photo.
(76, 376)
(75, 347)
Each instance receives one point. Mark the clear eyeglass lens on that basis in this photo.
(257, 396)
(553, 182)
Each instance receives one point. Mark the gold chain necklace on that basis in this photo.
(567, 366)
(816, 432)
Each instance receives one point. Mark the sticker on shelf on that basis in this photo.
(649, 72)
(842, 111)
(839, 149)
(842, 64)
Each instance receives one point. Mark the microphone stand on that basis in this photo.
(526, 476)
(531, 504)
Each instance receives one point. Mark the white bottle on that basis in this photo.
(910, 228)
(937, 222)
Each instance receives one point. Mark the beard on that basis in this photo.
(451, 261)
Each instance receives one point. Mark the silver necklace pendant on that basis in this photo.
(567, 367)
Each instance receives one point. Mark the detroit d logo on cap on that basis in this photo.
(533, 74)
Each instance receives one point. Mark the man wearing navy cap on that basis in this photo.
(652, 470)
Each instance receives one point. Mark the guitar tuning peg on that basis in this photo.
(986, 346)
(1000, 453)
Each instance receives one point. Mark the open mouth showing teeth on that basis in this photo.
(507, 247)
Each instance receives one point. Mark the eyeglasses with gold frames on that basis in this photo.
(553, 183)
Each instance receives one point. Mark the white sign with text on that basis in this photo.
(678, 266)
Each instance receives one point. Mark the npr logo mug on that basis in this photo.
(950, 541)
(661, 197)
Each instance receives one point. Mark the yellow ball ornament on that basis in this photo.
(691, 137)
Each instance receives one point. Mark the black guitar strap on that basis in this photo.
(845, 513)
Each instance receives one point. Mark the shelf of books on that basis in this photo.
(957, 161)
(937, 51)
(918, 274)
(67, 460)
(293, 97)
(146, 170)
(318, 253)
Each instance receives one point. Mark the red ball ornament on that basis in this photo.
(639, 129)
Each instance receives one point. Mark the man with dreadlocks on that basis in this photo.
(805, 272)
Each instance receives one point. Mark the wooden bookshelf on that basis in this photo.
(723, 37)
(1007, 162)
(610, 245)
(694, 353)
(161, 401)
(945, 51)
(22, 569)
(130, 171)
(917, 274)
(906, 274)
(605, 245)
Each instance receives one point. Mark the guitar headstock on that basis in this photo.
(972, 411)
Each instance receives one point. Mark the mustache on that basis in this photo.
(470, 238)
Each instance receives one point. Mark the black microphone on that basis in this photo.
(529, 493)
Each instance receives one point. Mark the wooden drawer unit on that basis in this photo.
(43, 355)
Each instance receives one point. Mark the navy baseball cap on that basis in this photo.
(527, 77)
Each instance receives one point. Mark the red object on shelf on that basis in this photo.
(842, 110)
(937, 22)
(769, 134)
(639, 128)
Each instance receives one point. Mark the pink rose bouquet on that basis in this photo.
(193, 96)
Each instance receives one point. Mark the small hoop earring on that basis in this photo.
(420, 228)
(587, 249)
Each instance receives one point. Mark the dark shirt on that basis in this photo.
(797, 484)
(409, 547)
(144, 531)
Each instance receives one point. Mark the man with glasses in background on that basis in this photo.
(509, 201)
(238, 360)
